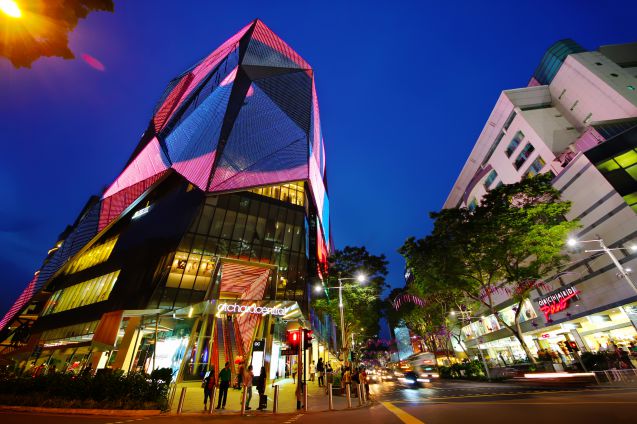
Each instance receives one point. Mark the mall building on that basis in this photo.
(577, 119)
(202, 250)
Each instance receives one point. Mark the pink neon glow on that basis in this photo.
(150, 161)
(20, 302)
(167, 108)
(229, 179)
(197, 170)
(93, 62)
(114, 205)
(229, 79)
(265, 35)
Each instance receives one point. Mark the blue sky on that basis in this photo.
(404, 87)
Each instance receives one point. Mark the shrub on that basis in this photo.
(106, 389)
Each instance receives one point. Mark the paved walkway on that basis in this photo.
(317, 399)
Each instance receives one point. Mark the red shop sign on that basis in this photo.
(557, 302)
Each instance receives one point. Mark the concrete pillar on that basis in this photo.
(128, 346)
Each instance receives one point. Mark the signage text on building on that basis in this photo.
(234, 308)
(556, 302)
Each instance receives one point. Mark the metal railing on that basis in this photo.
(616, 376)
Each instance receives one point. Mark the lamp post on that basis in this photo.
(360, 279)
(603, 248)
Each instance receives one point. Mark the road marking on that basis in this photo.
(402, 415)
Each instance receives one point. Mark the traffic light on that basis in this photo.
(293, 339)
(572, 345)
(307, 337)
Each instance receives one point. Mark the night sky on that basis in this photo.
(404, 88)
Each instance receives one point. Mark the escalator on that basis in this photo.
(220, 345)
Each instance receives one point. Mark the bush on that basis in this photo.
(469, 370)
(107, 389)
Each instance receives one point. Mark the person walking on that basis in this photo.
(261, 382)
(248, 376)
(312, 371)
(320, 369)
(294, 370)
(208, 383)
(224, 383)
(240, 375)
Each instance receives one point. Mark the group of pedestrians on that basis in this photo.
(245, 378)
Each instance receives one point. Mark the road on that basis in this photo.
(439, 403)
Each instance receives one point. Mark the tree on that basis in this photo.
(506, 245)
(43, 29)
(362, 305)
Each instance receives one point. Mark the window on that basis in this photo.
(490, 179)
(574, 104)
(535, 167)
(524, 155)
(290, 192)
(92, 291)
(510, 119)
(588, 117)
(598, 63)
(614, 75)
(473, 204)
(561, 94)
(93, 256)
(515, 142)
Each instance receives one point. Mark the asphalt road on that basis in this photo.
(438, 403)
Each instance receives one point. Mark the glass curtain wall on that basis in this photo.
(241, 226)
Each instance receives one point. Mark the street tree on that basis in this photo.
(506, 245)
(41, 28)
(362, 303)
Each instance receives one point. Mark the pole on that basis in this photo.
(182, 397)
(244, 394)
(330, 400)
(617, 264)
(348, 394)
(275, 401)
(484, 362)
(340, 308)
(155, 346)
(360, 394)
(212, 399)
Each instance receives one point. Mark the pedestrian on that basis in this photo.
(247, 382)
(364, 381)
(294, 370)
(224, 383)
(240, 375)
(208, 383)
(320, 368)
(312, 371)
(261, 382)
(287, 370)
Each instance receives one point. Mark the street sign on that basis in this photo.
(289, 352)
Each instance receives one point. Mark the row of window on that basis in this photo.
(289, 193)
(88, 292)
(93, 256)
(70, 333)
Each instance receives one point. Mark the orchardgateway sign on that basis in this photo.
(235, 308)
(557, 301)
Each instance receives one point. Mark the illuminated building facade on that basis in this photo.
(576, 119)
(209, 237)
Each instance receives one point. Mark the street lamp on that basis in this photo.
(10, 8)
(572, 242)
(360, 278)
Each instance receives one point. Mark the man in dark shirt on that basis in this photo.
(224, 383)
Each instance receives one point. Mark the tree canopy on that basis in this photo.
(363, 307)
(507, 244)
(43, 29)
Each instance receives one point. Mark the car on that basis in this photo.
(412, 380)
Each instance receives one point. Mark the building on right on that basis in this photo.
(576, 119)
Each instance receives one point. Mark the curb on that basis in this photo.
(269, 413)
(80, 411)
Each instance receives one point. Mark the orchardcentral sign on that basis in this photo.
(250, 309)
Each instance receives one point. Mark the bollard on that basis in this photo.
(348, 394)
(182, 397)
(243, 400)
(212, 399)
(305, 406)
(360, 394)
(330, 401)
(275, 400)
(364, 392)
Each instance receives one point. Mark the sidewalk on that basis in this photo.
(317, 399)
